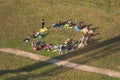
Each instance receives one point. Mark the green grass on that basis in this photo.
(105, 54)
(18, 18)
(18, 68)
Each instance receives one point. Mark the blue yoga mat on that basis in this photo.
(76, 29)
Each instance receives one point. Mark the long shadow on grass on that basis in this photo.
(109, 50)
(86, 59)
(26, 68)
(91, 48)
(49, 74)
(25, 73)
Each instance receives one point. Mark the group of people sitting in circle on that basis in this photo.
(68, 45)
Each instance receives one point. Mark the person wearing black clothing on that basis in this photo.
(43, 23)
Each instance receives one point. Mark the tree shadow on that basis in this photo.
(49, 72)
(109, 50)
(90, 48)
(85, 59)
(26, 68)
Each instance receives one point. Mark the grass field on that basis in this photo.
(19, 18)
(18, 68)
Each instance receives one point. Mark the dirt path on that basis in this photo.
(82, 67)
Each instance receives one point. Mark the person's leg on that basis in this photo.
(59, 52)
(79, 46)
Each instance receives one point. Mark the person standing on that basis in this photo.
(43, 23)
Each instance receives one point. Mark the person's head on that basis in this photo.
(70, 20)
(59, 22)
(75, 38)
(34, 41)
(59, 43)
(68, 40)
(79, 24)
(83, 41)
(42, 19)
(86, 34)
(87, 27)
(33, 32)
(37, 40)
(37, 33)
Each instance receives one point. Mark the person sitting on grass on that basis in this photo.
(69, 44)
(70, 22)
(67, 41)
(38, 35)
(41, 46)
(48, 47)
(78, 27)
(60, 48)
(83, 41)
(88, 30)
(82, 44)
(75, 42)
(32, 35)
(35, 44)
(89, 38)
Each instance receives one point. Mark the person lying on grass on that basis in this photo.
(56, 25)
(26, 39)
(33, 35)
(69, 24)
(78, 27)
